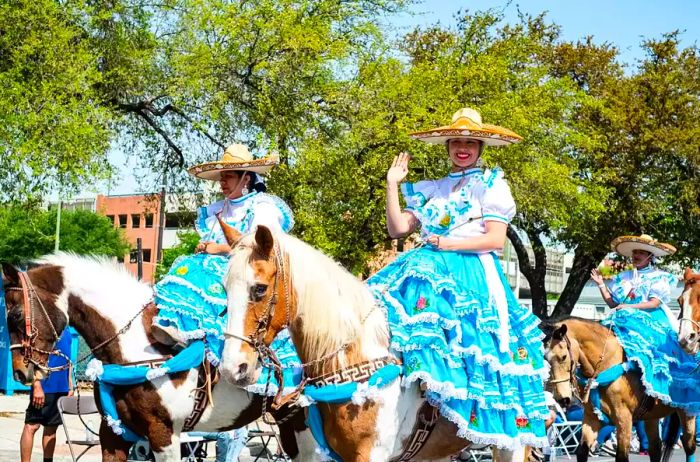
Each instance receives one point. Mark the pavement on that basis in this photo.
(12, 420)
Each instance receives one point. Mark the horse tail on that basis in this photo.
(674, 426)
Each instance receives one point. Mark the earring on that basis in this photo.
(244, 191)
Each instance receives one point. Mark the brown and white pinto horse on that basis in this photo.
(335, 324)
(577, 344)
(100, 299)
(689, 334)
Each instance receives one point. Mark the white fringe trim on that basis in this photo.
(94, 369)
(152, 374)
(364, 392)
(115, 425)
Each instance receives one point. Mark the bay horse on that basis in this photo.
(574, 347)
(113, 311)
(275, 281)
(689, 301)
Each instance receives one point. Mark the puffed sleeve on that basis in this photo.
(272, 212)
(417, 194)
(661, 289)
(497, 202)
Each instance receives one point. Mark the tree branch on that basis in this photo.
(523, 257)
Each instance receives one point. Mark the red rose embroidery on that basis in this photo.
(522, 422)
(421, 304)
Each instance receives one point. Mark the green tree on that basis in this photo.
(644, 151)
(29, 232)
(166, 81)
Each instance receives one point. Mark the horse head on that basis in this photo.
(562, 354)
(259, 305)
(33, 318)
(689, 301)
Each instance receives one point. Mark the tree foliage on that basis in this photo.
(29, 232)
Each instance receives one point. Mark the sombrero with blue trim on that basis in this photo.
(235, 158)
(467, 124)
(625, 245)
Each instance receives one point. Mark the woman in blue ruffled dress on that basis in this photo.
(645, 326)
(191, 297)
(461, 332)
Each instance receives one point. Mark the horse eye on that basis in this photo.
(564, 357)
(258, 292)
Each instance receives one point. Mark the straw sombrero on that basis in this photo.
(466, 124)
(624, 245)
(235, 157)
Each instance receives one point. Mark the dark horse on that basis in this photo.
(112, 311)
(575, 346)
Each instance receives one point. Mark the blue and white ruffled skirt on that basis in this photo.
(445, 325)
(191, 298)
(668, 372)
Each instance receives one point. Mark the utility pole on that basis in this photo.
(58, 227)
(161, 219)
(139, 258)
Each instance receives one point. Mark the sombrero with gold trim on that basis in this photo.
(624, 245)
(467, 124)
(235, 157)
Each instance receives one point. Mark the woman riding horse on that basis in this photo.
(191, 297)
(451, 313)
(645, 326)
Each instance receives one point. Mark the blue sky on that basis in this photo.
(621, 22)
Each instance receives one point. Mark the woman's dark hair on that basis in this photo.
(254, 183)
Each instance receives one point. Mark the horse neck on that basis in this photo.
(331, 347)
(99, 319)
(591, 339)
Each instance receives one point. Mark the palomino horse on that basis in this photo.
(573, 348)
(112, 311)
(339, 332)
(689, 335)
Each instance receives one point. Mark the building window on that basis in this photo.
(135, 221)
(146, 255)
(122, 221)
(149, 220)
(111, 218)
(176, 220)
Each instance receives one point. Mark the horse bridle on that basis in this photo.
(573, 381)
(30, 299)
(681, 318)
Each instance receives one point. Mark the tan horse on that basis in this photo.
(689, 334)
(278, 281)
(574, 346)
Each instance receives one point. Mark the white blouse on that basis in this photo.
(244, 214)
(460, 204)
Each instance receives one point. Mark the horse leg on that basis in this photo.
(589, 434)
(623, 427)
(655, 449)
(171, 452)
(688, 437)
(114, 447)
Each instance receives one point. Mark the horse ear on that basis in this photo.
(10, 275)
(230, 233)
(264, 240)
(688, 274)
(560, 332)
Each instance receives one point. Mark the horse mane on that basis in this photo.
(100, 281)
(334, 305)
(570, 321)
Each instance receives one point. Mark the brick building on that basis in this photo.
(138, 216)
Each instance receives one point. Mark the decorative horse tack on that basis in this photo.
(337, 386)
